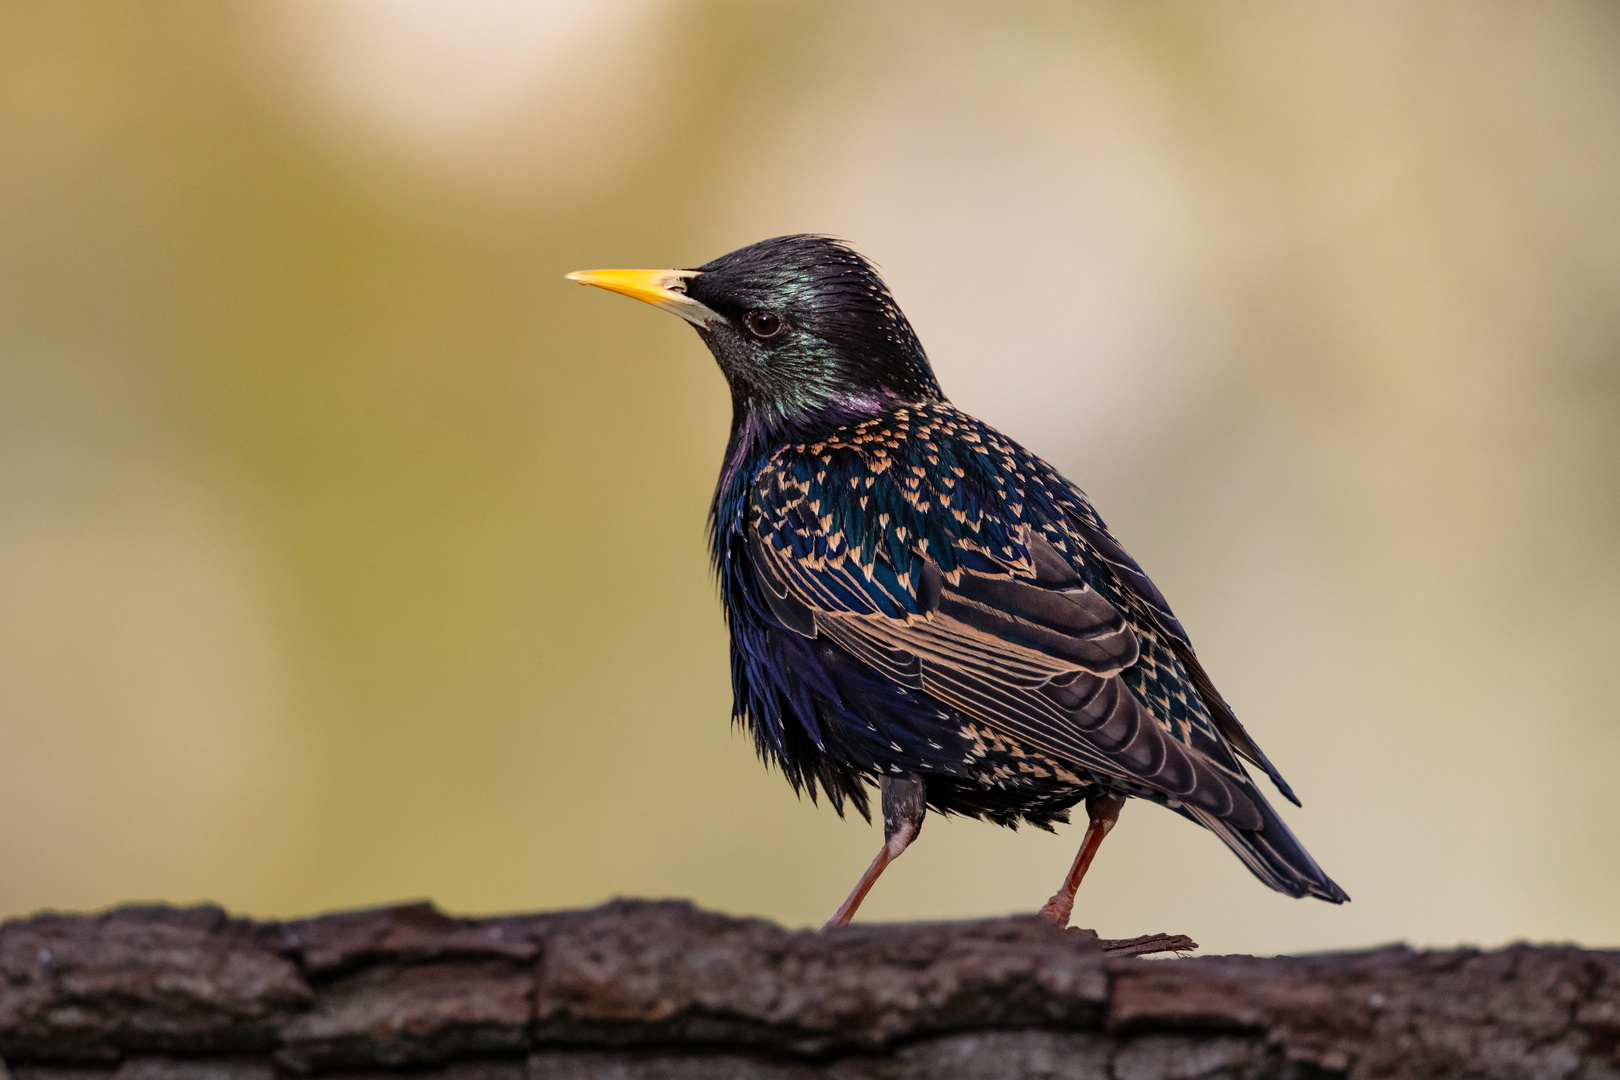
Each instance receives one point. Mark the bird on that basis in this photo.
(918, 604)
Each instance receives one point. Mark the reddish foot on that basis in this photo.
(1058, 909)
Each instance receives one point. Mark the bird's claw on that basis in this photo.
(1057, 911)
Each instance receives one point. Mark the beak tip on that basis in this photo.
(577, 275)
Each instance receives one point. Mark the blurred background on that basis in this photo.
(348, 554)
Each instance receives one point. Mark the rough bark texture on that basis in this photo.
(662, 991)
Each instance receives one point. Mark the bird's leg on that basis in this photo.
(904, 804)
(1103, 811)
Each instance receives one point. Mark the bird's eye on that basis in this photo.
(763, 324)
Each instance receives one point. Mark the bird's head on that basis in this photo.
(802, 326)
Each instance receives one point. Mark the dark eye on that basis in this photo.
(763, 324)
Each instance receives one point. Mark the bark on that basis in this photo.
(663, 991)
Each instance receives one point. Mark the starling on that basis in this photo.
(917, 602)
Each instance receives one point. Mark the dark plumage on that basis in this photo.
(917, 601)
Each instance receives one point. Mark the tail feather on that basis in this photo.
(1272, 852)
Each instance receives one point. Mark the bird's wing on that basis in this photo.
(914, 559)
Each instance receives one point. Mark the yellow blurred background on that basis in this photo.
(348, 554)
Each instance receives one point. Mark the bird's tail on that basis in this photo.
(1272, 852)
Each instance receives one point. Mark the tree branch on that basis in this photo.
(640, 991)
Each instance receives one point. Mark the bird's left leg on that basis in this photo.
(904, 804)
(1103, 811)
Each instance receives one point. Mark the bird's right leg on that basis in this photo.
(1103, 811)
(904, 804)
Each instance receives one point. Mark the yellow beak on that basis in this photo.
(661, 288)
